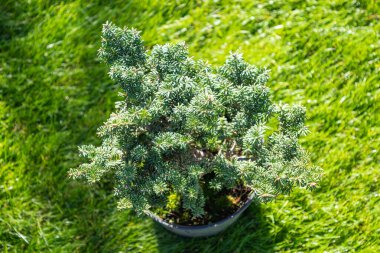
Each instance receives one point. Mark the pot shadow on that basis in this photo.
(250, 233)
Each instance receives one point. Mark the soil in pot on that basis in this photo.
(218, 206)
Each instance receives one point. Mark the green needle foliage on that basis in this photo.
(184, 126)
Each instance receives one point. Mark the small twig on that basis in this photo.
(233, 146)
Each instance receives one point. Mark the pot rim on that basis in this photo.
(196, 227)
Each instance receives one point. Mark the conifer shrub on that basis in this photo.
(185, 131)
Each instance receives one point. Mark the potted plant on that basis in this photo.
(192, 145)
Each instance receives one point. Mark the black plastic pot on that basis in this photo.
(202, 230)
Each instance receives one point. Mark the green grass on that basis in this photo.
(54, 93)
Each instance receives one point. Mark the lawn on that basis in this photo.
(55, 93)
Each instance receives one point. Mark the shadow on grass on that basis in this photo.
(251, 233)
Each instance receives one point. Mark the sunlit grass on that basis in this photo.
(55, 93)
